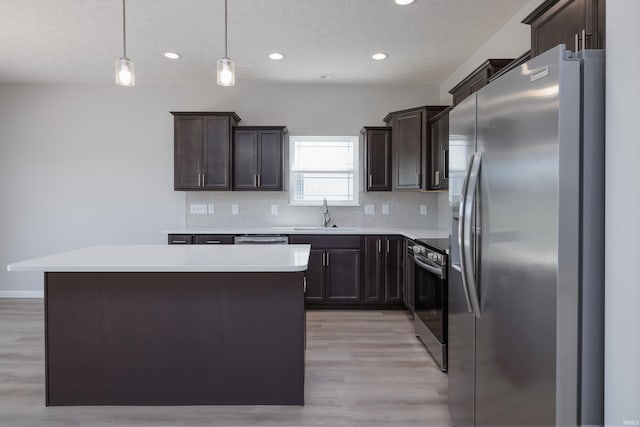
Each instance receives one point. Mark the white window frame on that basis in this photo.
(356, 171)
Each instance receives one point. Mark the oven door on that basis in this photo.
(430, 304)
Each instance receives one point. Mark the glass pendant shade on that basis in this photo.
(125, 72)
(226, 72)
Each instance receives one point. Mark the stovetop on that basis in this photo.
(438, 245)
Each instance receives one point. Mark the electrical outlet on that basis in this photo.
(274, 209)
(385, 209)
(211, 208)
(197, 209)
(423, 209)
(369, 209)
(235, 209)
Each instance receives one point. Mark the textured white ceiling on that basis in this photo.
(79, 40)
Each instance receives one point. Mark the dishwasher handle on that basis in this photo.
(261, 240)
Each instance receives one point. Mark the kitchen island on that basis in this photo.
(174, 325)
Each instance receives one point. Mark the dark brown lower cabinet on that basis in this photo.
(383, 269)
(200, 239)
(342, 275)
(335, 269)
(315, 277)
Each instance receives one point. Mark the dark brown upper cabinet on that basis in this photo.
(258, 157)
(579, 24)
(478, 79)
(439, 127)
(377, 154)
(411, 146)
(202, 150)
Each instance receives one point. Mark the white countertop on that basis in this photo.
(411, 233)
(177, 258)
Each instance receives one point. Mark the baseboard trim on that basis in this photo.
(21, 294)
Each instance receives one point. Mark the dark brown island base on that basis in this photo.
(175, 337)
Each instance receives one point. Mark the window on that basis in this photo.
(323, 167)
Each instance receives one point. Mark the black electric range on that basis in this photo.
(438, 245)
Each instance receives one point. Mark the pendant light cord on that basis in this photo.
(225, 28)
(124, 29)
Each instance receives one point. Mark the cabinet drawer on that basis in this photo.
(180, 239)
(213, 239)
(327, 242)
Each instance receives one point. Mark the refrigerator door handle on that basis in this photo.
(470, 204)
(461, 230)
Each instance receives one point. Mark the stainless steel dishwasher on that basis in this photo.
(261, 239)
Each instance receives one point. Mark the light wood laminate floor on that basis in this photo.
(363, 368)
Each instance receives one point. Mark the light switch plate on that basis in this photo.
(385, 209)
(423, 209)
(211, 208)
(235, 209)
(274, 209)
(198, 209)
(369, 209)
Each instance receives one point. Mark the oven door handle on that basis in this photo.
(438, 271)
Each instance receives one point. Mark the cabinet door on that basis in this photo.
(270, 160)
(180, 239)
(245, 159)
(187, 152)
(394, 255)
(343, 275)
(213, 239)
(374, 270)
(216, 153)
(407, 142)
(560, 24)
(409, 269)
(315, 277)
(439, 173)
(444, 153)
(378, 161)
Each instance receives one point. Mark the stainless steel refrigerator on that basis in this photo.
(526, 282)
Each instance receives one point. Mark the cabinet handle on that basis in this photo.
(324, 262)
(584, 39)
(183, 242)
(259, 180)
(213, 241)
(379, 246)
(203, 179)
(370, 181)
(255, 180)
(575, 41)
(387, 246)
(327, 259)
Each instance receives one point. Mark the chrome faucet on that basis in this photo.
(326, 218)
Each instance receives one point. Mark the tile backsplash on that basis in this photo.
(256, 209)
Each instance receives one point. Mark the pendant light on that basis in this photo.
(125, 70)
(226, 68)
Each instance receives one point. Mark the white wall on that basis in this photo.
(89, 164)
(622, 223)
(510, 41)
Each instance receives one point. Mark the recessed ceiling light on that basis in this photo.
(326, 76)
(276, 56)
(404, 2)
(379, 56)
(172, 55)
